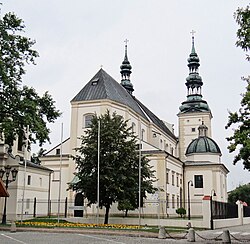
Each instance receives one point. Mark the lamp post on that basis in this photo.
(211, 208)
(190, 183)
(6, 171)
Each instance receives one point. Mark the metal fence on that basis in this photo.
(246, 211)
(150, 208)
(223, 210)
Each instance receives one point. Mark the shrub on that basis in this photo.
(181, 212)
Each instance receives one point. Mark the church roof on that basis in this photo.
(203, 144)
(103, 86)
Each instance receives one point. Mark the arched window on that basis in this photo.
(142, 134)
(133, 127)
(87, 120)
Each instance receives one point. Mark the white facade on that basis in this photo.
(32, 181)
(166, 151)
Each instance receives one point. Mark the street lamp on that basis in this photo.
(6, 171)
(211, 208)
(190, 183)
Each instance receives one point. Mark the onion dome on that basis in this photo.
(194, 102)
(125, 72)
(203, 144)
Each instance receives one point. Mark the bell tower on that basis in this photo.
(194, 109)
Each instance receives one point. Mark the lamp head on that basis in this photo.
(7, 170)
(14, 173)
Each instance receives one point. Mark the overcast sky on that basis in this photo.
(74, 38)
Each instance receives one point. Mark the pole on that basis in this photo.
(5, 203)
(139, 173)
(60, 177)
(188, 202)
(25, 156)
(98, 169)
(211, 210)
(24, 186)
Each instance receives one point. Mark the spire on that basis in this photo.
(194, 83)
(126, 71)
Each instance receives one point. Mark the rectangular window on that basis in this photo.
(20, 143)
(173, 203)
(177, 180)
(198, 181)
(173, 179)
(29, 180)
(28, 203)
(193, 129)
(178, 202)
(167, 179)
(57, 151)
(167, 200)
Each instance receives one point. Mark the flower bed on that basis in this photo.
(78, 225)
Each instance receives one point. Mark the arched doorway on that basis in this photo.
(79, 200)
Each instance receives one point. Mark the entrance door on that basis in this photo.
(78, 202)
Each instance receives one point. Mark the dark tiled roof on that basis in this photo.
(103, 86)
(33, 165)
(155, 119)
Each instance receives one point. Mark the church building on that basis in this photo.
(187, 163)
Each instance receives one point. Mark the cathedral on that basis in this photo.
(189, 161)
(187, 165)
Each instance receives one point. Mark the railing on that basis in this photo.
(246, 211)
(222, 210)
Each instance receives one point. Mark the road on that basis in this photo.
(74, 238)
(241, 233)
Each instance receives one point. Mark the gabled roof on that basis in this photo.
(103, 86)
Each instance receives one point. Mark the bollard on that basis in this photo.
(13, 226)
(226, 236)
(191, 235)
(162, 233)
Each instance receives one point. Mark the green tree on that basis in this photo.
(126, 205)
(241, 193)
(119, 161)
(21, 107)
(240, 121)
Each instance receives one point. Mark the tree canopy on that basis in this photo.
(240, 121)
(21, 108)
(241, 193)
(119, 164)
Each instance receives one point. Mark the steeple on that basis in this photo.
(194, 83)
(126, 71)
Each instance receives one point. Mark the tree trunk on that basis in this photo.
(106, 220)
(126, 213)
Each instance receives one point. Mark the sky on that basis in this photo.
(75, 38)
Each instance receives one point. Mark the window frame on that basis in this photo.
(198, 183)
